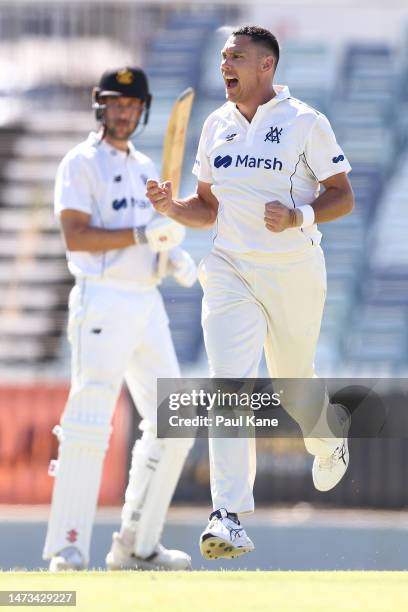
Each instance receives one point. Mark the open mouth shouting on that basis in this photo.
(231, 82)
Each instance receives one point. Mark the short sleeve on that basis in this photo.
(323, 154)
(202, 166)
(72, 187)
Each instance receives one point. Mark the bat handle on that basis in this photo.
(162, 262)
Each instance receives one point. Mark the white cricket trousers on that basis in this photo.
(254, 303)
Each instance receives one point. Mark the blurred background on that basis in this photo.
(347, 59)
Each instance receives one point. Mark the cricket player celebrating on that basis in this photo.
(261, 160)
(117, 328)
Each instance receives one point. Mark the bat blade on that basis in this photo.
(173, 152)
(175, 139)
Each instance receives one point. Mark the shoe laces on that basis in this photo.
(329, 462)
(235, 533)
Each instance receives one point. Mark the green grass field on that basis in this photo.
(216, 591)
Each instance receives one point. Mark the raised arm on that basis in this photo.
(198, 210)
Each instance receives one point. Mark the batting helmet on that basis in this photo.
(129, 82)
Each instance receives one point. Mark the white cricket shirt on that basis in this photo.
(109, 185)
(281, 155)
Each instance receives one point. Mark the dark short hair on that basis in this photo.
(261, 37)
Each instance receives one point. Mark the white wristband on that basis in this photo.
(308, 215)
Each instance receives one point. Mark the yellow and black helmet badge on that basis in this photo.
(124, 76)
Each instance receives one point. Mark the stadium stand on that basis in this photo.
(365, 323)
(33, 274)
(378, 332)
(376, 336)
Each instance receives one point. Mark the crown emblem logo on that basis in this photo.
(124, 77)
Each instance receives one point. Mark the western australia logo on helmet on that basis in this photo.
(124, 77)
(245, 161)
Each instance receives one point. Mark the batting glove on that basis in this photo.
(161, 234)
(182, 266)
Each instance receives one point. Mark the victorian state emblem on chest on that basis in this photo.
(273, 135)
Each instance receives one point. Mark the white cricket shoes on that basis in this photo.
(327, 472)
(68, 559)
(122, 557)
(224, 537)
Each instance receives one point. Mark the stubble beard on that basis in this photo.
(116, 134)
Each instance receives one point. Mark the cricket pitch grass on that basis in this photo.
(220, 591)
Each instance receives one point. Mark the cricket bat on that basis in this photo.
(173, 152)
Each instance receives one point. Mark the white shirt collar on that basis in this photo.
(95, 138)
(282, 93)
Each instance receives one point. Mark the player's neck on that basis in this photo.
(248, 108)
(122, 145)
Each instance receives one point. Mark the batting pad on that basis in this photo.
(84, 438)
(155, 470)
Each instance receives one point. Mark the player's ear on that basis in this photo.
(268, 63)
(146, 109)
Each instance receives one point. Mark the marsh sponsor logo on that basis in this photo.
(259, 162)
(245, 161)
(132, 203)
(225, 161)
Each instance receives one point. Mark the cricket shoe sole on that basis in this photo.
(224, 537)
(213, 547)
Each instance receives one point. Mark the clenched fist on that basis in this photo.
(279, 217)
(160, 195)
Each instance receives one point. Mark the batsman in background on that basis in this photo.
(261, 160)
(118, 328)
